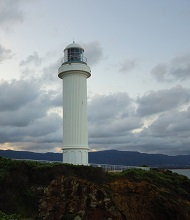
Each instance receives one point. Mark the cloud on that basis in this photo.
(128, 65)
(163, 100)
(106, 107)
(169, 134)
(173, 124)
(15, 94)
(27, 114)
(39, 130)
(112, 115)
(50, 73)
(32, 59)
(93, 52)
(10, 13)
(160, 72)
(178, 68)
(5, 53)
(31, 119)
(43, 70)
(116, 122)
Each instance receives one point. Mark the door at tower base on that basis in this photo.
(75, 156)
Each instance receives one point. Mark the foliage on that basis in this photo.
(20, 180)
(4, 216)
(158, 177)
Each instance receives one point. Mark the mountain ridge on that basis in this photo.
(113, 157)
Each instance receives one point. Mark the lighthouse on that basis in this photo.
(74, 72)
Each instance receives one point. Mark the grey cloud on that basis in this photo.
(43, 130)
(32, 59)
(34, 68)
(174, 124)
(25, 116)
(28, 113)
(55, 98)
(169, 134)
(107, 107)
(5, 53)
(50, 73)
(10, 13)
(115, 120)
(93, 52)
(128, 65)
(126, 124)
(178, 68)
(15, 94)
(160, 72)
(163, 100)
(112, 115)
(114, 127)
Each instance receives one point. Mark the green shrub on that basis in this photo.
(4, 216)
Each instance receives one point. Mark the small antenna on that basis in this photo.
(73, 40)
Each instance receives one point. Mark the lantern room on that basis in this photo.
(74, 53)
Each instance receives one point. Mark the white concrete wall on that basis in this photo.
(75, 126)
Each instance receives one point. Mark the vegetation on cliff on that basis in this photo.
(32, 190)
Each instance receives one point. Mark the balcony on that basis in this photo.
(74, 58)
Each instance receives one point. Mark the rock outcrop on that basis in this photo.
(77, 199)
(74, 198)
(143, 201)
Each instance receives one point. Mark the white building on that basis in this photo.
(74, 72)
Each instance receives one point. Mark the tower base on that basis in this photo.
(75, 156)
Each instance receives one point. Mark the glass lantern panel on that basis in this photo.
(75, 54)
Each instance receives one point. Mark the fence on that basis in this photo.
(117, 168)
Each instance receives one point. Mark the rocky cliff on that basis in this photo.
(57, 191)
(73, 198)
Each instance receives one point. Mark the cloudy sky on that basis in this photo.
(139, 91)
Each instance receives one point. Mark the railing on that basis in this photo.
(74, 58)
(117, 168)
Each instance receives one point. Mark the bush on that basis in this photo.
(4, 216)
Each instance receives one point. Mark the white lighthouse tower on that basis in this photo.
(74, 72)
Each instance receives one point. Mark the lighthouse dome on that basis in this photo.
(73, 45)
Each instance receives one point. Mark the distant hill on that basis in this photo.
(114, 157)
(31, 155)
(130, 158)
